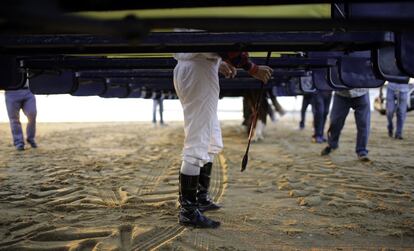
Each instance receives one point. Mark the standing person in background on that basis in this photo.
(17, 100)
(357, 99)
(157, 102)
(197, 85)
(397, 96)
(307, 100)
(320, 107)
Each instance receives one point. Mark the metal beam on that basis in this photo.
(101, 63)
(106, 5)
(194, 42)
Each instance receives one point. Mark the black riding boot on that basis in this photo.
(189, 213)
(204, 201)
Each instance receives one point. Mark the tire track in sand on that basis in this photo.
(218, 186)
(43, 237)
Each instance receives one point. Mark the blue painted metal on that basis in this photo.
(194, 42)
(320, 79)
(358, 72)
(334, 80)
(59, 82)
(102, 63)
(404, 53)
(115, 90)
(11, 76)
(89, 87)
(385, 63)
(384, 10)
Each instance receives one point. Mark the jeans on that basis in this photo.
(396, 103)
(307, 100)
(340, 110)
(320, 109)
(25, 100)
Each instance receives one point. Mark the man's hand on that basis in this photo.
(264, 73)
(227, 70)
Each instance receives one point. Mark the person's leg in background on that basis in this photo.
(340, 110)
(402, 99)
(305, 103)
(390, 108)
(13, 105)
(30, 110)
(278, 107)
(318, 112)
(196, 84)
(327, 97)
(154, 111)
(363, 120)
(161, 104)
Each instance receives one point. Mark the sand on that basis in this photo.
(113, 186)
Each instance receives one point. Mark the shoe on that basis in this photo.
(20, 148)
(194, 218)
(318, 140)
(32, 144)
(189, 214)
(390, 133)
(301, 125)
(326, 151)
(363, 158)
(399, 137)
(203, 199)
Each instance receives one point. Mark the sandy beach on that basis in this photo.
(113, 186)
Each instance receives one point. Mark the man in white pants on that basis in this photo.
(196, 82)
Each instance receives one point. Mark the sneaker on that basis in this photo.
(318, 140)
(326, 151)
(399, 137)
(32, 144)
(207, 204)
(20, 148)
(363, 158)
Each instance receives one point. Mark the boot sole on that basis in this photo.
(185, 224)
(208, 209)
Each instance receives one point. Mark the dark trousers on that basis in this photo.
(320, 108)
(21, 100)
(340, 110)
(307, 100)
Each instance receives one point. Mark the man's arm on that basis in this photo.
(241, 59)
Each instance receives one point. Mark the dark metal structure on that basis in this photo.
(38, 37)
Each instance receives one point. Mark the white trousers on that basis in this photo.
(197, 85)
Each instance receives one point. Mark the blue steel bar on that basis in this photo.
(79, 63)
(194, 42)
